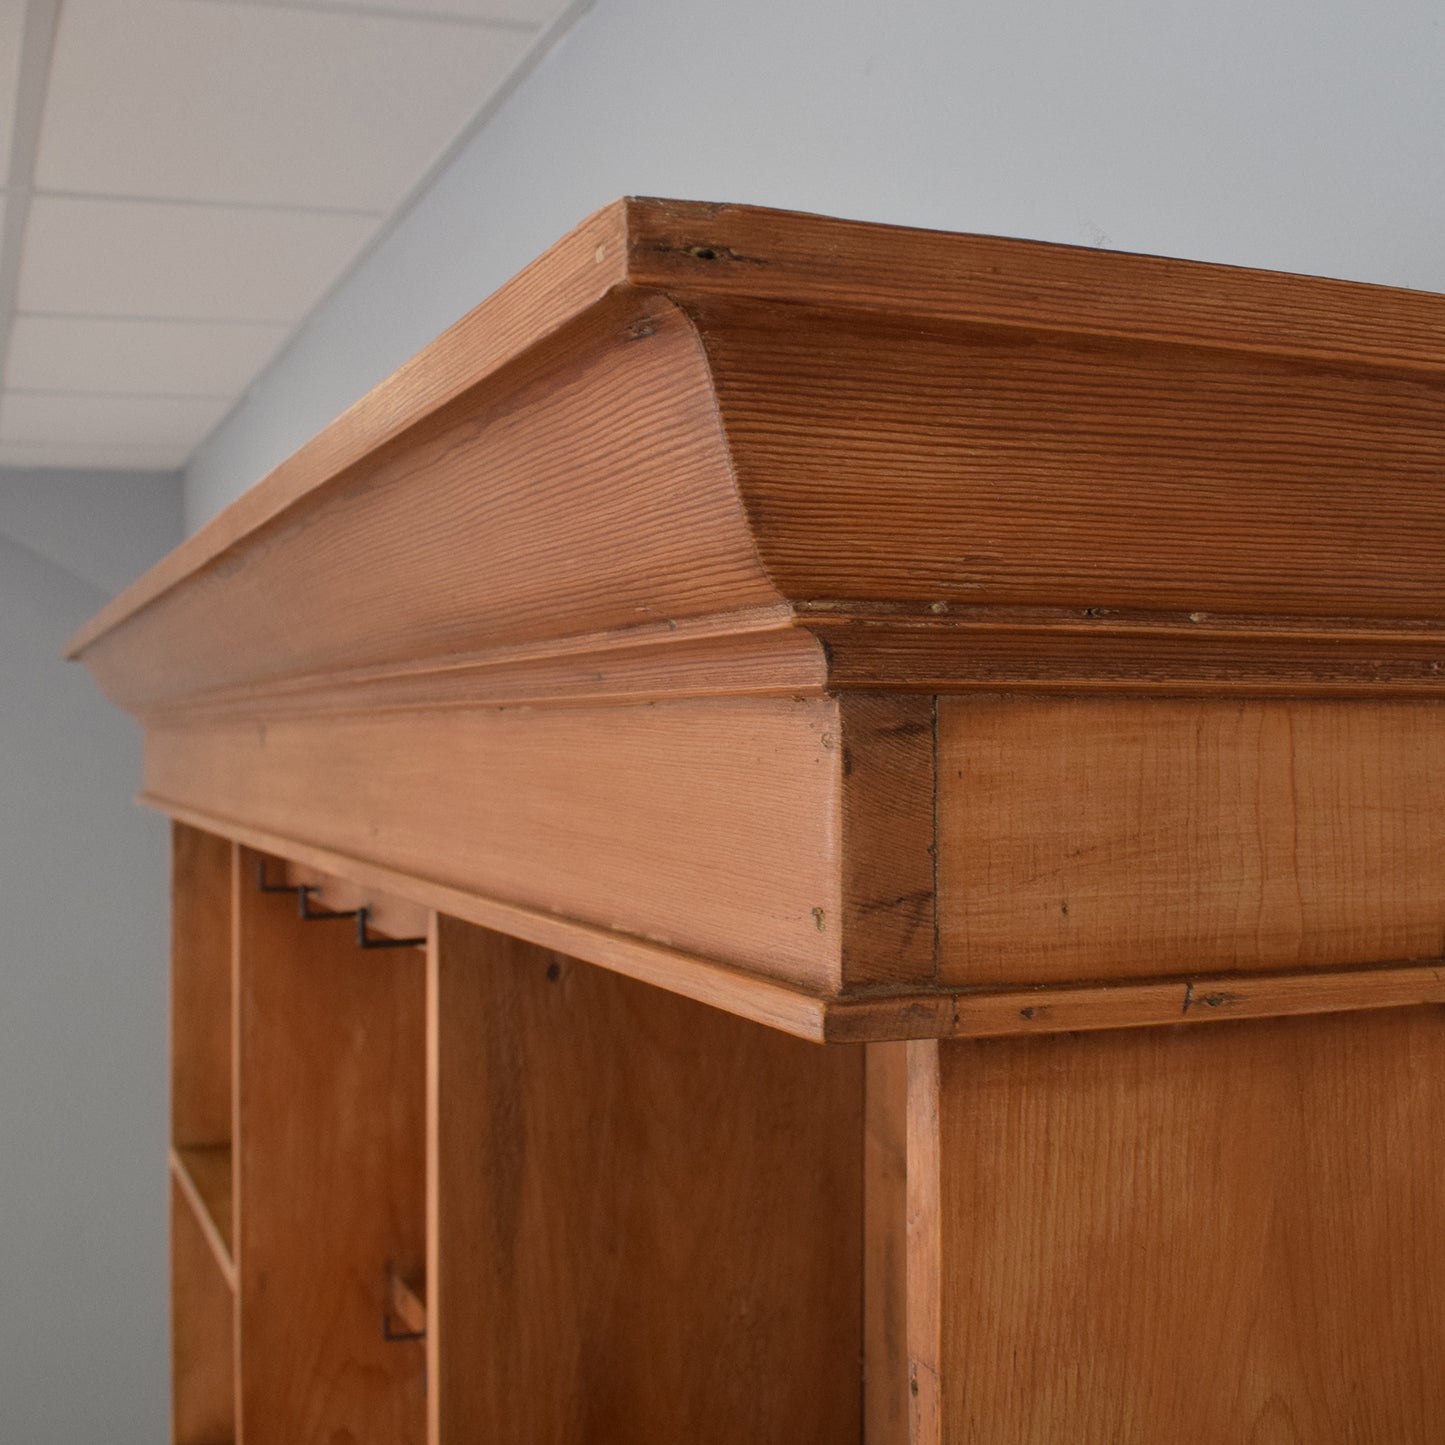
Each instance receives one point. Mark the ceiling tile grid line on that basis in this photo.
(190, 179)
(566, 15)
(21, 391)
(520, 15)
(33, 46)
(163, 200)
(128, 316)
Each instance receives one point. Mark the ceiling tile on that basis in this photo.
(107, 421)
(119, 258)
(532, 12)
(175, 358)
(119, 459)
(12, 23)
(264, 104)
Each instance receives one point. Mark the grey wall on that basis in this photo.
(83, 1354)
(1304, 135)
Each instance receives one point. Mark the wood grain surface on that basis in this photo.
(200, 987)
(797, 1011)
(887, 798)
(787, 257)
(788, 837)
(708, 825)
(966, 648)
(782, 257)
(885, 1254)
(891, 461)
(1216, 1235)
(586, 491)
(932, 427)
(647, 1220)
(752, 654)
(1104, 838)
(203, 1376)
(331, 1178)
(908, 1013)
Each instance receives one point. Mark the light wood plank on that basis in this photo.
(799, 1012)
(331, 1177)
(646, 1215)
(709, 826)
(1091, 838)
(1212, 1235)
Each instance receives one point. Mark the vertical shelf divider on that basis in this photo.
(330, 1132)
(201, 1154)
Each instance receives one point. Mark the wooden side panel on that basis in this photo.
(1119, 837)
(711, 826)
(331, 1178)
(200, 987)
(647, 1212)
(887, 849)
(1218, 1235)
(203, 1379)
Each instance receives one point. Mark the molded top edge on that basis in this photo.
(686, 248)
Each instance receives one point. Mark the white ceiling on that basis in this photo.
(181, 181)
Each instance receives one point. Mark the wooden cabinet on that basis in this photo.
(805, 831)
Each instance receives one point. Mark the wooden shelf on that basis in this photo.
(204, 1175)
